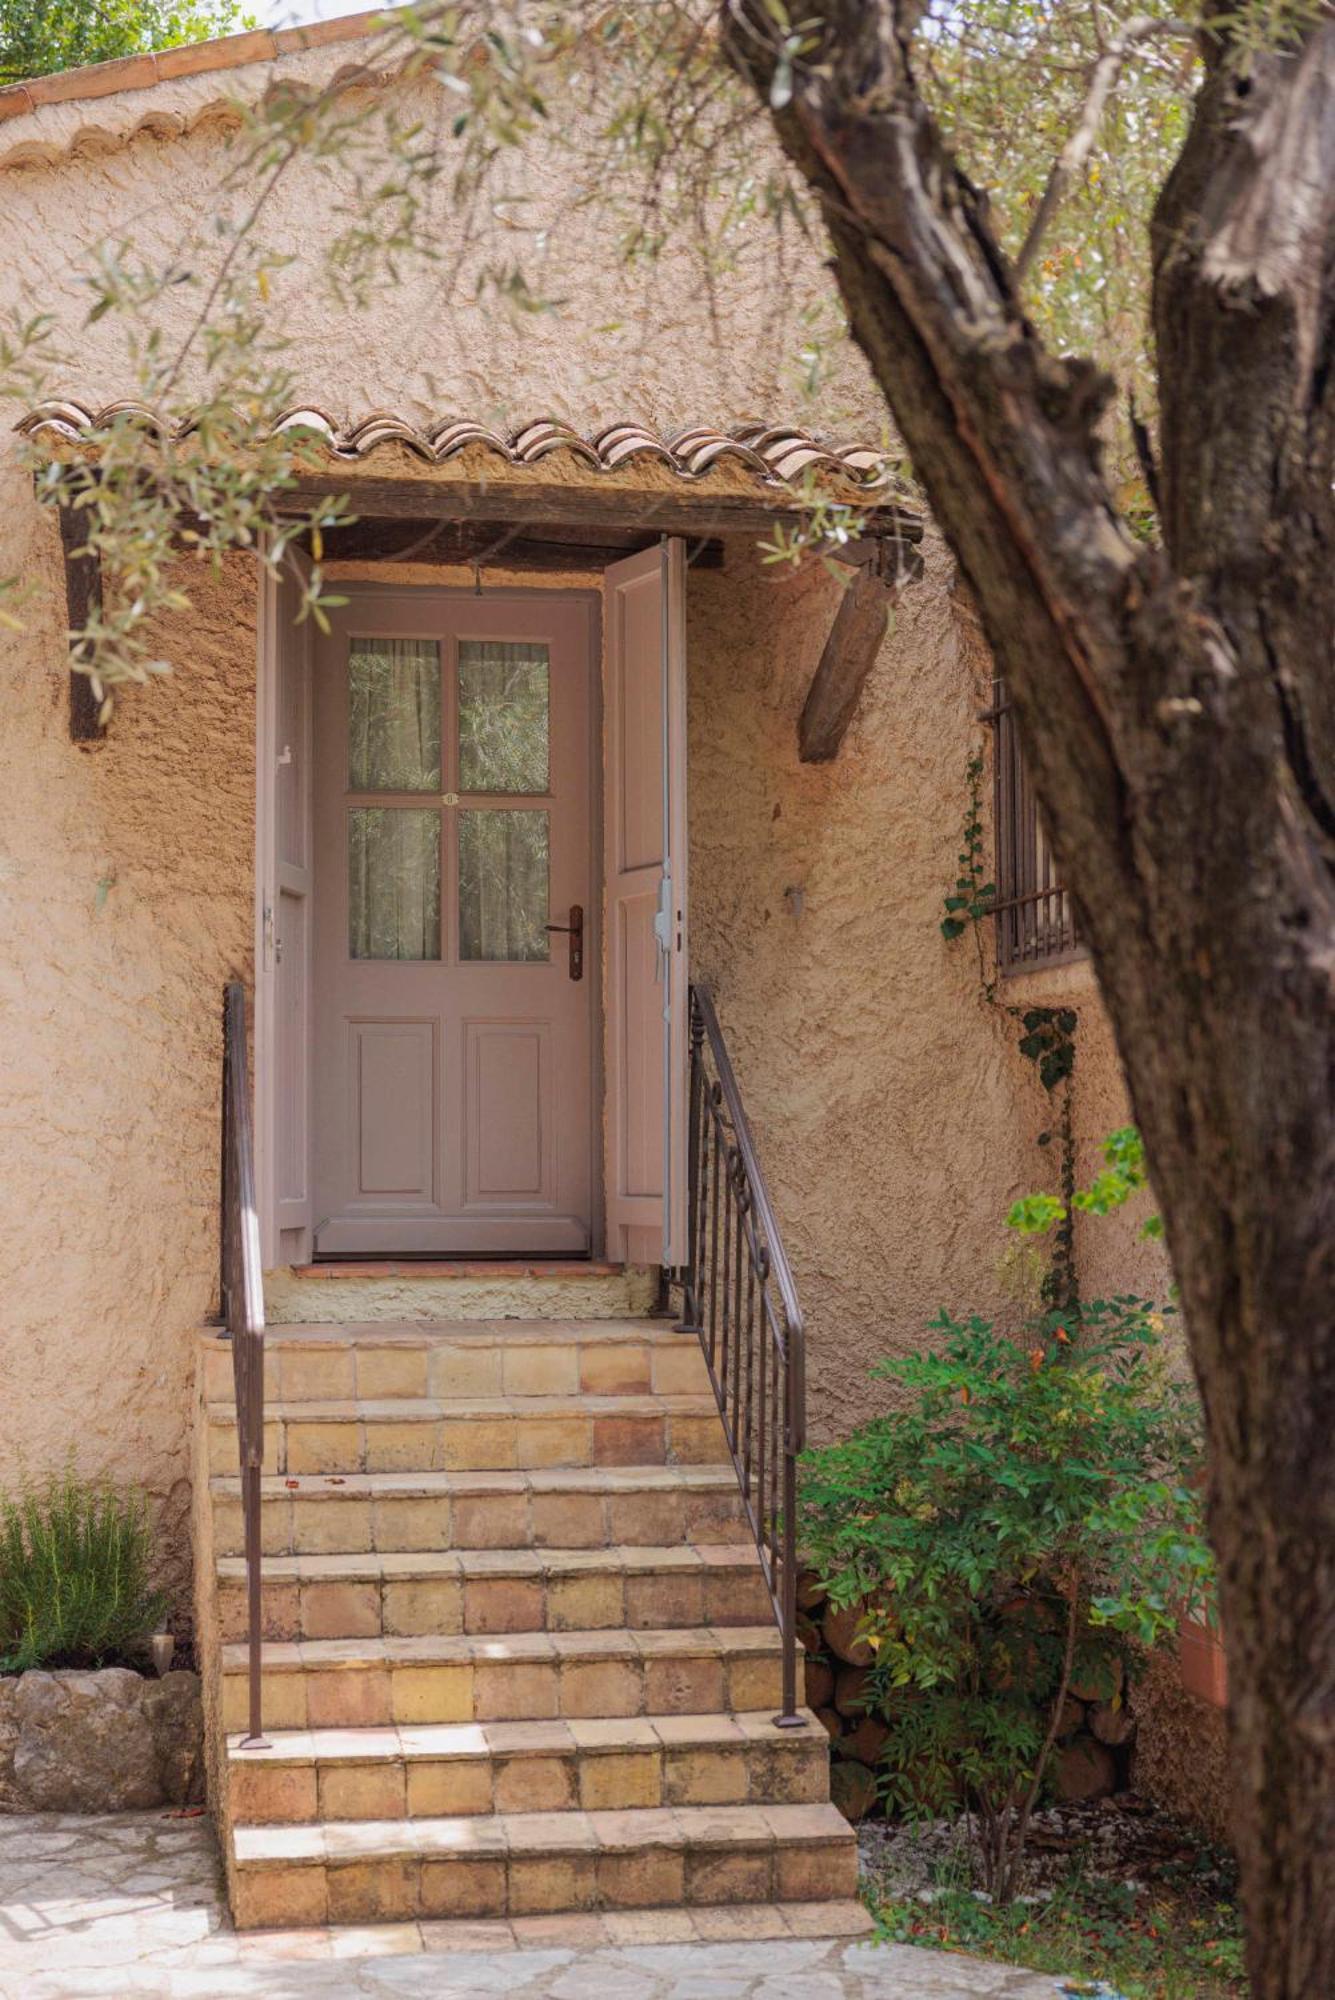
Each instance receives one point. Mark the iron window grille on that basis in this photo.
(1035, 919)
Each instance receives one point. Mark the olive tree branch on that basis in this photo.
(1103, 81)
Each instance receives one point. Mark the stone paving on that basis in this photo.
(131, 1905)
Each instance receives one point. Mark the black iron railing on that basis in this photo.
(242, 1290)
(1035, 918)
(741, 1300)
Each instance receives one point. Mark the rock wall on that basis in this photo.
(110, 1741)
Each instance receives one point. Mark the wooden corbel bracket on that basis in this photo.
(850, 651)
(83, 594)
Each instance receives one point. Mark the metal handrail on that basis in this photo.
(741, 1300)
(242, 1298)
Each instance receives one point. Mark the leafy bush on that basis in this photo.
(1011, 1532)
(75, 1588)
(1124, 1176)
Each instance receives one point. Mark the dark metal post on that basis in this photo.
(242, 1300)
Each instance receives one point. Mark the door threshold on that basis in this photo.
(455, 1267)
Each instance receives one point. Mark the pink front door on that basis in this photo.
(453, 1026)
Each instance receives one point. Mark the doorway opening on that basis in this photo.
(471, 951)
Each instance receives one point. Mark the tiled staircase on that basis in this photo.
(519, 1655)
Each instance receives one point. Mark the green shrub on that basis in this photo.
(75, 1588)
(1013, 1531)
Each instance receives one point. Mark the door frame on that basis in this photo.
(268, 751)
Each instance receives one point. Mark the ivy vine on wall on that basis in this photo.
(1047, 1035)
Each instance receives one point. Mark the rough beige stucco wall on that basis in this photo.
(896, 1120)
(643, 339)
(125, 876)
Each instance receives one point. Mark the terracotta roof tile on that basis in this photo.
(142, 72)
(776, 454)
(97, 80)
(197, 58)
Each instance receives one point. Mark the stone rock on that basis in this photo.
(1071, 1718)
(831, 1721)
(850, 1692)
(867, 1741)
(840, 1629)
(810, 1590)
(1085, 1769)
(1112, 1723)
(109, 1741)
(853, 1789)
(819, 1683)
(176, 1716)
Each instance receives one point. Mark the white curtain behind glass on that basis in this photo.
(394, 746)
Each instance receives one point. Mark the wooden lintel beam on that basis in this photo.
(527, 504)
(494, 546)
(83, 594)
(847, 659)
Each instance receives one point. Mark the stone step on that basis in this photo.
(333, 1363)
(520, 1864)
(497, 1590)
(501, 1433)
(560, 1507)
(518, 1289)
(512, 1677)
(620, 1930)
(468, 1768)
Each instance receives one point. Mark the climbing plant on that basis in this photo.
(1047, 1039)
(973, 897)
(1123, 1177)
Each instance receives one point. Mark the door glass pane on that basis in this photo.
(503, 714)
(394, 715)
(393, 883)
(503, 884)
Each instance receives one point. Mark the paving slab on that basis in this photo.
(130, 1907)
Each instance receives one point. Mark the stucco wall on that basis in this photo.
(645, 338)
(895, 1119)
(125, 876)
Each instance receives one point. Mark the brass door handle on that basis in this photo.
(574, 930)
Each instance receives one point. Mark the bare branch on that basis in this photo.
(1073, 155)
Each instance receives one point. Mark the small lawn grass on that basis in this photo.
(1177, 1937)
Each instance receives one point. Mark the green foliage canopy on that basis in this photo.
(38, 37)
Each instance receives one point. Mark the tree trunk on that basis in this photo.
(1178, 708)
